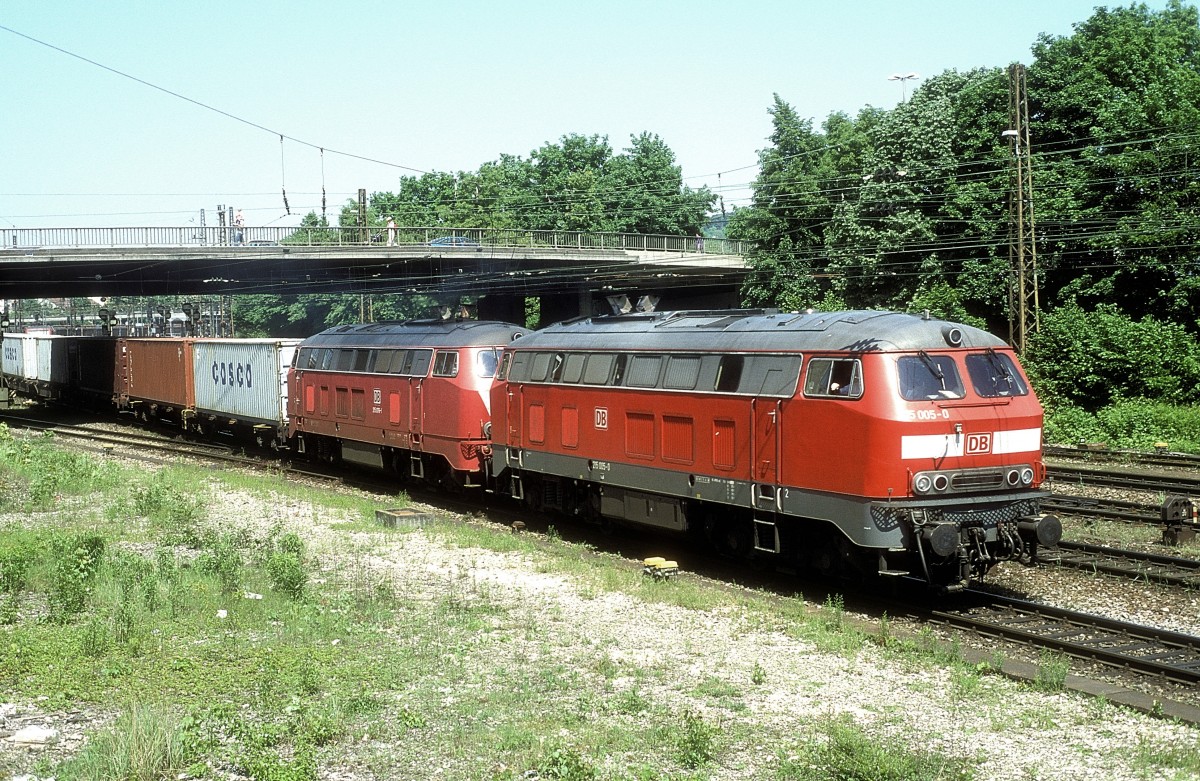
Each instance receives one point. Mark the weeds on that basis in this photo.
(76, 559)
(839, 748)
(224, 562)
(146, 743)
(1052, 671)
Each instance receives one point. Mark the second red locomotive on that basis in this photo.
(409, 397)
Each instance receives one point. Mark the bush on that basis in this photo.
(287, 574)
(223, 561)
(75, 562)
(1094, 359)
(1136, 424)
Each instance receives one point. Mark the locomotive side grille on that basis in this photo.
(977, 480)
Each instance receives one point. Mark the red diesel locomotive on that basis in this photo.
(870, 441)
(412, 398)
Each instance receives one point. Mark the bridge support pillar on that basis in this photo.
(504, 307)
(676, 298)
(564, 306)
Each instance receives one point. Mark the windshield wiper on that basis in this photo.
(1000, 366)
(933, 368)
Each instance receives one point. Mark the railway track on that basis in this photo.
(1109, 509)
(107, 440)
(1131, 457)
(1134, 565)
(1151, 652)
(1139, 481)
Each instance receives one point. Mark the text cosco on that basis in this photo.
(237, 375)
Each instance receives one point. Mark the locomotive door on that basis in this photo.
(415, 411)
(512, 413)
(765, 450)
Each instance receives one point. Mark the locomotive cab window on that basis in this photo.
(344, 360)
(446, 364)
(994, 374)
(925, 376)
(361, 360)
(505, 363)
(327, 359)
(834, 377)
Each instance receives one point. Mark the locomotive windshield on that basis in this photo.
(994, 374)
(925, 376)
(485, 364)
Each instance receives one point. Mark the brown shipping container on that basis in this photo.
(158, 371)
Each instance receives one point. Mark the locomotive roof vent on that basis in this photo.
(953, 335)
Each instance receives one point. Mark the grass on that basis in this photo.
(840, 749)
(223, 649)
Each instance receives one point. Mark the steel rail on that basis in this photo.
(1140, 481)
(1141, 458)
(1135, 565)
(1109, 509)
(1160, 653)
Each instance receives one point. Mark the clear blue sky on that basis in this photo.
(425, 86)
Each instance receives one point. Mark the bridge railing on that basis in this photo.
(224, 236)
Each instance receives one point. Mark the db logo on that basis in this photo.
(378, 396)
(601, 418)
(979, 443)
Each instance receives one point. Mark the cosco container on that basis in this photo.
(243, 381)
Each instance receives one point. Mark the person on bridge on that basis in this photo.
(699, 241)
(239, 224)
(391, 226)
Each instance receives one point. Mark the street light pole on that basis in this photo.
(903, 78)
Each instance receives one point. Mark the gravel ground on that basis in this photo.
(1012, 732)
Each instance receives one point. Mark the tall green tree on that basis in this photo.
(1114, 109)
(576, 184)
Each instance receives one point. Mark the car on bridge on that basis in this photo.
(453, 241)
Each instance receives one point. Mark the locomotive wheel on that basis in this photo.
(732, 537)
(832, 557)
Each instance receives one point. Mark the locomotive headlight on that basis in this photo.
(922, 483)
(1013, 477)
(940, 482)
(1027, 476)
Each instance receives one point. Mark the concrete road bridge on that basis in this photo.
(572, 272)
